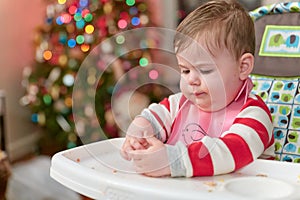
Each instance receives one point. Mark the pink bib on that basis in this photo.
(192, 124)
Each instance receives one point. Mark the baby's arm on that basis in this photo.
(139, 129)
(154, 120)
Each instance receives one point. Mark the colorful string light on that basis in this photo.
(47, 55)
(77, 17)
(47, 99)
(85, 47)
(59, 20)
(71, 43)
(153, 74)
(120, 39)
(122, 23)
(68, 80)
(72, 10)
(72, 29)
(83, 3)
(130, 2)
(143, 62)
(89, 29)
(61, 1)
(135, 21)
(80, 39)
(133, 11)
(88, 17)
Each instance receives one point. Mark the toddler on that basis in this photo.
(214, 125)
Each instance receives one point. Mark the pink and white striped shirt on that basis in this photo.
(209, 143)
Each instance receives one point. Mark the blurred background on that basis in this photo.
(43, 43)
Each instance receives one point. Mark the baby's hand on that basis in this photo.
(133, 143)
(152, 161)
(136, 135)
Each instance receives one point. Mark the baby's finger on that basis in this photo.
(125, 149)
(125, 155)
(136, 145)
(143, 142)
(136, 155)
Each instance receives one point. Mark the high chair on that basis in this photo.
(97, 170)
(276, 73)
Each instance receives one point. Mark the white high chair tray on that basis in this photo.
(97, 171)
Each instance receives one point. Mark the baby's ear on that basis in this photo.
(246, 63)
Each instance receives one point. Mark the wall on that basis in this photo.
(18, 20)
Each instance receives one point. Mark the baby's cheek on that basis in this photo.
(183, 84)
(217, 93)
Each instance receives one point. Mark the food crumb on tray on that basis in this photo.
(210, 183)
(262, 175)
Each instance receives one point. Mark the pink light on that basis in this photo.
(84, 12)
(66, 18)
(153, 74)
(72, 10)
(122, 24)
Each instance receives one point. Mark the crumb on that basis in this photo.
(262, 175)
(78, 160)
(221, 180)
(210, 191)
(211, 184)
(114, 171)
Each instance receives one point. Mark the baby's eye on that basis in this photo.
(185, 71)
(208, 71)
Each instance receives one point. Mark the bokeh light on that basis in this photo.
(122, 24)
(61, 1)
(47, 55)
(130, 2)
(153, 74)
(68, 80)
(71, 43)
(143, 62)
(89, 29)
(135, 21)
(120, 39)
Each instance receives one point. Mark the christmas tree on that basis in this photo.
(71, 31)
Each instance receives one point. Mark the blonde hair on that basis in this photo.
(222, 23)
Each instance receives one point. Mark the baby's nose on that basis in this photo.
(194, 78)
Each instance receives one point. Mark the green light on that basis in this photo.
(80, 39)
(144, 62)
(120, 39)
(88, 17)
(47, 99)
(130, 2)
(77, 17)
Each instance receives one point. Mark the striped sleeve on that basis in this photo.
(250, 135)
(161, 115)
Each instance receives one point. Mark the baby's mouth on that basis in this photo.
(198, 94)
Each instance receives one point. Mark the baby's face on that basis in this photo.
(210, 82)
